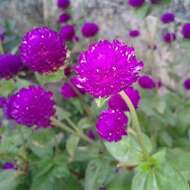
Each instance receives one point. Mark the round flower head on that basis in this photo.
(64, 17)
(31, 106)
(10, 65)
(169, 37)
(134, 33)
(2, 101)
(136, 3)
(111, 125)
(107, 67)
(146, 82)
(117, 103)
(89, 29)
(68, 91)
(42, 50)
(186, 84)
(67, 33)
(63, 3)
(167, 17)
(2, 34)
(8, 166)
(186, 30)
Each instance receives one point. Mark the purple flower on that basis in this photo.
(146, 82)
(186, 30)
(89, 29)
(134, 33)
(2, 101)
(64, 17)
(169, 37)
(67, 33)
(186, 84)
(2, 34)
(107, 67)
(68, 91)
(117, 103)
(63, 3)
(136, 3)
(42, 50)
(111, 125)
(10, 65)
(167, 17)
(8, 166)
(31, 106)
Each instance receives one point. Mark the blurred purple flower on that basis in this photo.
(111, 125)
(2, 101)
(91, 134)
(8, 166)
(10, 65)
(107, 67)
(186, 84)
(169, 37)
(64, 17)
(146, 82)
(42, 50)
(89, 29)
(63, 4)
(186, 31)
(2, 34)
(167, 17)
(136, 3)
(134, 33)
(67, 32)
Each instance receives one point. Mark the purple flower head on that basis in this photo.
(167, 17)
(186, 30)
(2, 101)
(42, 50)
(134, 33)
(169, 37)
(186, 84)
(89, 29)
(31, 106)
(68, 91)
(117, 103)
(107, 67)
(63, 4)
(111, 125)
(67, 32)
(146, 82)
(64, 17)
(8, 166)
(10, 65)
(2, 34)
(136, 3)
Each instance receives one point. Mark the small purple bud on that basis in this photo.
(91, 134)
(2, 34)
(146, 82)
(186, 31)
(63, 4)
(169, 37)
(186, 84)
(89, 29)
(67, 32)
(134, 33)
(64, 17)
(136, 3)
(8, 166)
(167, 17)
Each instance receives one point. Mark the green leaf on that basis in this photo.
(6, 87)
(100, 102)
(158, 174)
(97, 172)
(143, 11)
(71, 144)
(180, 160)
(85, 123)
(127, 150)
(8, 180)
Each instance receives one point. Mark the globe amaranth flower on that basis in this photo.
(70, 90)
(2, 34)
(186, 84)
(8, 166)
(10, 65)
(169, 37)
(117, 103)
(2, 101)
(65, 17)
(107, 67)
(134, 33)
(146, 82)
(111, 125)
(136, 3)
(186, 31)
(89, 29)
(67, 32)
(167, 17)
(32, 106)
(42, 50)
(63, 4)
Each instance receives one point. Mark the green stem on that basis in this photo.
(136, 124)
(74, 132)
(1, 47)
